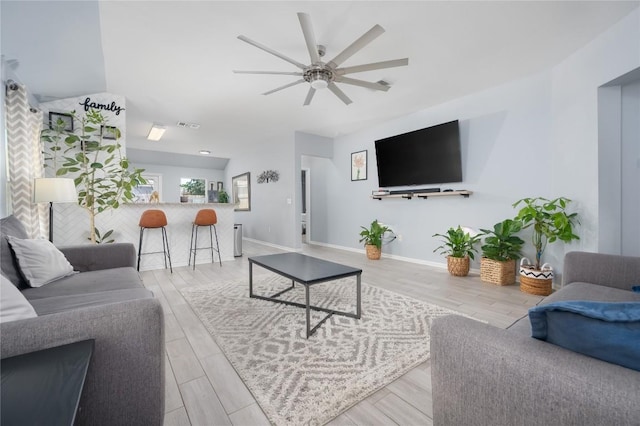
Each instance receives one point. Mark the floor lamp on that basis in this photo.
(54, 190)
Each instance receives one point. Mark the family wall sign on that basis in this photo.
(87, 104)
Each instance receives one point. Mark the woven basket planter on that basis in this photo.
(373, 252)
(458, 266)
(498, 272)
(535, 281)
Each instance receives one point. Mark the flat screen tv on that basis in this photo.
(426, 156)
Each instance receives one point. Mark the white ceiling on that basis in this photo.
(173, 60)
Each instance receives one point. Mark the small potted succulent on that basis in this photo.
(372, 238)
(459, 248)
(550, 222)
(500, 251)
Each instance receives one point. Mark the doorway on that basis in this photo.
(305, 219)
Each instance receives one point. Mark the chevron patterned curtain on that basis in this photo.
(23, 125)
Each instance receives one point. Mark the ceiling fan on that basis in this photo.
(321, 74)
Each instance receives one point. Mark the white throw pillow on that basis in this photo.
(13, 305)
(40, 261)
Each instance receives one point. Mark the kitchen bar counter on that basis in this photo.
(71, 227)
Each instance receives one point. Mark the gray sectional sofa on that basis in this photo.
(107, 302)
(483, 375)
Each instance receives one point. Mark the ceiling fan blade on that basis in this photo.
(309, 37)
(267, 72)
(339, 93)
(310, 94)
(354, 47)
(373, 66)
(362, 83)
(284, 87)
(273, 52)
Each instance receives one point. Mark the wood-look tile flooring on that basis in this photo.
(202, 388)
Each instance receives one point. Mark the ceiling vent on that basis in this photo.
(185, 125)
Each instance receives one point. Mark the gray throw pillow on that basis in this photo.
(13, 305)
(40, 261)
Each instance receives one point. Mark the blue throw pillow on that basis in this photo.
(636, 288)
(605, 330)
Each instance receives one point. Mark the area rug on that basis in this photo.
(299, 381)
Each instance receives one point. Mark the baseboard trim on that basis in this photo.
(439, 265)
(264, 243)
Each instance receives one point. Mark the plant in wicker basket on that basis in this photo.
(372, 238)
(459, 248)
(550, 222)
(499, 253)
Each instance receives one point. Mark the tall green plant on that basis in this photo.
(457, 243)
(373, 235)
(100, 171)
(500, 243)
(549, 220)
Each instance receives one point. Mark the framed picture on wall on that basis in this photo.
(359, 165)
(241, 192)
(67, 119)
(220, 186)
(109, 132)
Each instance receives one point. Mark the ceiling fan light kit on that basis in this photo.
(321, 75)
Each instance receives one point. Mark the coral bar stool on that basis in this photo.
(154, 219)
(204, 217)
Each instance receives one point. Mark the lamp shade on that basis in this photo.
(54, 190)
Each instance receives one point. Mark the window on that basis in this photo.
(150, 191)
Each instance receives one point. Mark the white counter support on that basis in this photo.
(71, 227)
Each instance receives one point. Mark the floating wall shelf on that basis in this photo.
(424, 195)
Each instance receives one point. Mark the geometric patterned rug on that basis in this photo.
(299, 381)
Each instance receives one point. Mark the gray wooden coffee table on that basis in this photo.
(307, 271)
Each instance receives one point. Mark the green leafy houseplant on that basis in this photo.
(457, 243)
(500, 250)
(223, 197)
(500, 243)
(549, 220)
(459, 248)
(372, 238)
(101, 172)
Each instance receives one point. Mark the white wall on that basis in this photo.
(504, 137)
(272, 217)
(318, 208)
(171, 176)
(575, 136)
(533, 137)
(630, 156)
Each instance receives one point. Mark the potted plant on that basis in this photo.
(372, 238)
(223, 197)
(500, 250)
(459, 248)
(550, 222)
(102, 174)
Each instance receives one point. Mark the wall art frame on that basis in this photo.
(241, 187)
(109, 132)
(359, 165)
(67, 118)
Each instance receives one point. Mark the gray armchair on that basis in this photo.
(483, 375)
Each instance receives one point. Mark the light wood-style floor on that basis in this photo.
(202, 388)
